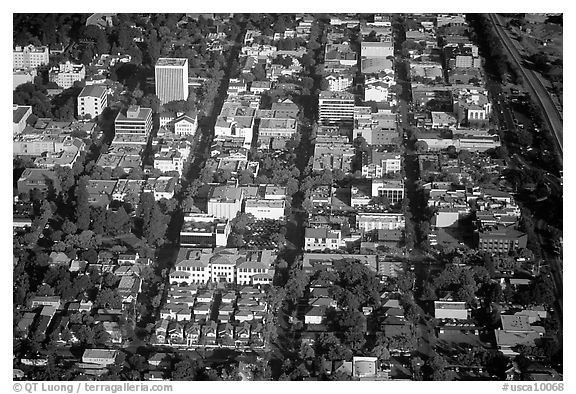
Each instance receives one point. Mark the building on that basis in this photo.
(336, 107)
(315, 261)
(162, 187)
(380, 163)
(225, 202)
(501, 239)
(380, 221)
(381, 49)
(169, 161)
(202, 230)
(185, 125)
(29, 56)
(257, 269)
(450, 310)
(64, 75)
(331, 156)
(376, 65)
(136, 120)
(321, 239)
(377, 128)
(171, 79)
(393, 190)
(339, 82)
(37, 178)
(364, 367)
(285, 109)
(265, 209)
(92, 100)
(99, 356)
(236, 120)
(20, 114)
(192, 266)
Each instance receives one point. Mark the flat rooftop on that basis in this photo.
(171, 62)
(92, 91)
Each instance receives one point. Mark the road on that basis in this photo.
(551, 114)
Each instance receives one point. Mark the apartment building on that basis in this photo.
(29, 56)
(92, 100)
(64, 75)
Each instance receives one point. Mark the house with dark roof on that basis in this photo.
(20, 114)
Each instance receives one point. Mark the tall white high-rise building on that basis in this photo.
(171, 79)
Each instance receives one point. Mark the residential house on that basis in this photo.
(100, 356)
(242, 334)
(193, 333)
(315, 315)
(451, 310)
(210, 332)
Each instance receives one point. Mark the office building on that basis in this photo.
(136, 120)
(336, 107)
(171, 79)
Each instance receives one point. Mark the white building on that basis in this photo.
(377, 92)
(161, 187)
(257, 269)
(137, 120)
(225, 202)
(380, 221)
(265, 209)
(393, 190)
(171, 79)
(336, 107)
(29, 56)
(185, 125)
(194, 268)
(450, 310)
(169, 161)
(64, 75)
(322, 238)
(377, 49)
(99, 356)
(92, 100)
(339, 83)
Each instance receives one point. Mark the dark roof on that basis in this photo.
(19, 112)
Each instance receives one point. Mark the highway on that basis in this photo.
(552, 116)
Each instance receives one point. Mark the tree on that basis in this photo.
(82, 212)
(108, 298)
(236, 240)
(117, 222)
(155, 231)
(68, 227)
(187, 369)
(421, 146)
